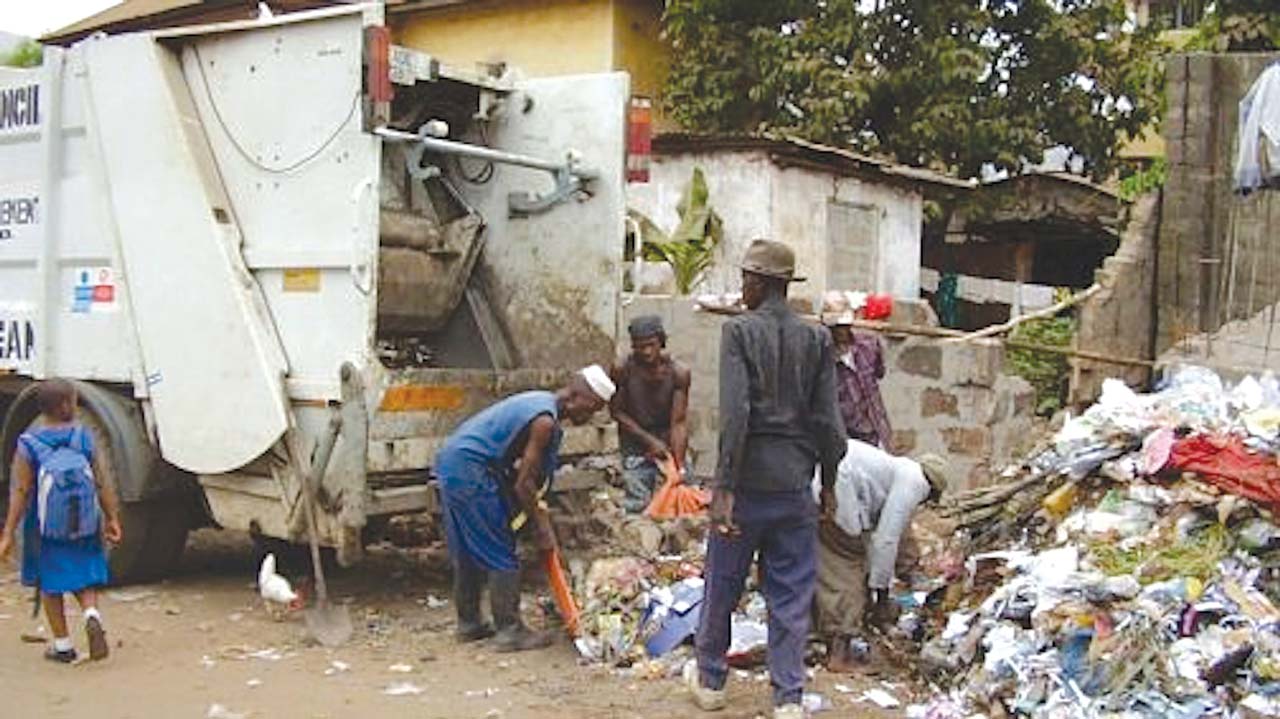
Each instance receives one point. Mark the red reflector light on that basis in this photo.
(378, 64)
(639, 139)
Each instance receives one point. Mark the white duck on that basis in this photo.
(275, 590)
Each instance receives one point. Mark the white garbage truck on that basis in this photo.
(261, 246)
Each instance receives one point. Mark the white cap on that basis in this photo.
(599, 381)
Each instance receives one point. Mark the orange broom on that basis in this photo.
(562, 593)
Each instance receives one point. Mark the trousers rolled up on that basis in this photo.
(781, 527)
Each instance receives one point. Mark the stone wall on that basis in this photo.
(1119, 321)
(954, 400)
(1217, 252)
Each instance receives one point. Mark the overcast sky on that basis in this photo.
(34, 18)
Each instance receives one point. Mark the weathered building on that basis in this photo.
(853, 220)
(541, 37)
(1014, 241)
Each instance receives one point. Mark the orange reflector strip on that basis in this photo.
(422, 397)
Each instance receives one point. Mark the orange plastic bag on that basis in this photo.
(675, 498)
(562, 593)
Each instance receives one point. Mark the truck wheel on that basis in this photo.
(153, 537)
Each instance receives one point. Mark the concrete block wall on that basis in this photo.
(952, 400)
(1208, 235)
(956, 401)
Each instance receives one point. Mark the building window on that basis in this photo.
(853, 246)
(1177, 14)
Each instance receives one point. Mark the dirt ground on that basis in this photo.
(202, 639)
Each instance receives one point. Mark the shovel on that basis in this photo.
(328, 624)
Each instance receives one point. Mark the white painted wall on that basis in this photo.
(759, 199)
(738, 183)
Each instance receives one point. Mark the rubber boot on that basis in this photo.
(513, 635)
(468, 583)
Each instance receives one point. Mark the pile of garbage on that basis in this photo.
(639, 594)
(1143, 579)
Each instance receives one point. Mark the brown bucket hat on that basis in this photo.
(771, 259)
(935, 472)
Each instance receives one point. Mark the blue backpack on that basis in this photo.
(66, 493)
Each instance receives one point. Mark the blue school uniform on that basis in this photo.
(58, 566)
(473, 469)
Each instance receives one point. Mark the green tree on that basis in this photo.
(28, 54)
(1239, 25)
(955, 84)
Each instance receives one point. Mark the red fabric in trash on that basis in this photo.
(1227, 464)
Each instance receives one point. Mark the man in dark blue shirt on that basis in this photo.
(778, 420)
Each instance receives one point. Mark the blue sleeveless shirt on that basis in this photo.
(487, 437)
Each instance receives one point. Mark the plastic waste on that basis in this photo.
(881, 698)
(878, 307)
(1112, 589)
(814, 702)
(1155, 450)
(1174, 591)
(1007, 645)
(1060, 501)
(673, 615)
(1259, 536)
(1224, 669)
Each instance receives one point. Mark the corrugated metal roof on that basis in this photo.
(151, 14)
(124, 12)
(838, 159)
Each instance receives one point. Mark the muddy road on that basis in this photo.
(202, 645)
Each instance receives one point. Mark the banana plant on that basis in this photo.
(690, 249)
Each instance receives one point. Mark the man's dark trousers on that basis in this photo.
(783, 528)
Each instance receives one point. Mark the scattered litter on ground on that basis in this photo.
(485, 693)
(35, 637)
(814, 703)
(253, 683)
(243, 652)
(218, 711)
(402, 689)
(434, 602)
(337, 667)
(881, 698)
(400, 668)
(126, 596)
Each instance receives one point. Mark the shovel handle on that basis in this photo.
(311, 478)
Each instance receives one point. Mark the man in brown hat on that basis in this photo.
(778, 420)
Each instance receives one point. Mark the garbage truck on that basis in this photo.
(281, 249)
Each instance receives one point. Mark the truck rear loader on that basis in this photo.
(234, 237)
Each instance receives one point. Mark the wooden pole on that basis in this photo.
(1038, 314)
(950, 336)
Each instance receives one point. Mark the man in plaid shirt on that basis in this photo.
(859, 369)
